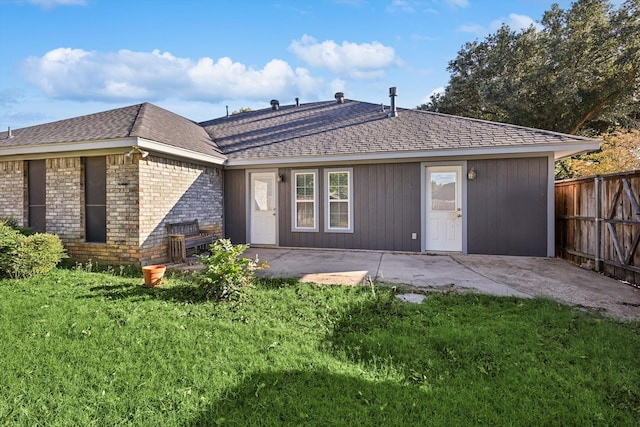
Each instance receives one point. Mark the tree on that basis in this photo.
(619, 152)
(579, 73)
(242, 110)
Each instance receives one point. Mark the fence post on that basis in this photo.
(598, 220)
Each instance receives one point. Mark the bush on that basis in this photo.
(12, 223)
(24, 256)
(227, 276)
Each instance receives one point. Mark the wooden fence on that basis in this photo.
(598, 223)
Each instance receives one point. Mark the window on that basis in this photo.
(339, 196)
(36, 183)
(95, 199)
(305, 201)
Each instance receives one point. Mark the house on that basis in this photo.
(334, 174)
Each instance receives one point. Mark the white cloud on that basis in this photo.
(472, 28)
(362, 61)
(515, 21)
(52, 3)
(436, 91)
(336, 85)
(400, 5)
(457, 3)
(127, 75)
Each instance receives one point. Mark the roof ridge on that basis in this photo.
(510, 125)
(135, 124)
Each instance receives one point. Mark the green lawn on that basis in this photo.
(80, 348)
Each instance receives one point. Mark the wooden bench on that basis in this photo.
(187, 235)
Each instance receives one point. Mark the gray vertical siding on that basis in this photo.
(507, 207)
(235, 206)
(386, 210)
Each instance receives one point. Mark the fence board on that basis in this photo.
(598, 223)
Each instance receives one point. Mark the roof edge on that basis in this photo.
(559, 151)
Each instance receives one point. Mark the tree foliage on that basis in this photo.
(619, 152)
(579, 73)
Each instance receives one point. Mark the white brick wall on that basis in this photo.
(142, 194)
(12, 191)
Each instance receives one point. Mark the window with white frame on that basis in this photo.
(339, 197)
(305, 200)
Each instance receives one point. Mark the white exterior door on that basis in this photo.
(263, 208)
(444, 208)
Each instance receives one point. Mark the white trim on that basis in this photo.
(551, 208)
(423, 201)
(176, 151)
(78, 148)
(294, 201)
(327, 202)
(249, 201)
(91, 148)
(559, 150)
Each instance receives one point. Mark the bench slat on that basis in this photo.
(186, 235)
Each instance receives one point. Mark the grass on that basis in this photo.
(79, 348)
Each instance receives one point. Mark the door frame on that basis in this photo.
(423, 200)
(249, 202)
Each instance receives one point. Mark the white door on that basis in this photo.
(263, 208)
(444, 208)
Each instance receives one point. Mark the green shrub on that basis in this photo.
(25, 256)
(227, 276)
(12, 223)
(8, 241)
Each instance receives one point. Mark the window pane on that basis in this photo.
(95, 181)
(443, 191)
(339, 185)
(37, 195)
(305, 214)
(263, 194)
(339, 214)
(304, 186)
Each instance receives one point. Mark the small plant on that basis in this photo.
(24, 256)
(13, 224)
(227, 276)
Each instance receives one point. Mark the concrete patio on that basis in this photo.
(418, 273)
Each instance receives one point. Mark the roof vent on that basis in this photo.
(340, 97)
(275, 104)
(393, 92)
(297, 102)
(9, 134)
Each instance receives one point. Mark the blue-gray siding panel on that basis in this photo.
(507, 207)
(235, 206)
(386, 210)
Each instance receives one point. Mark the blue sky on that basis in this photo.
(65, 58)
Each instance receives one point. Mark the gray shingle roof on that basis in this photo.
(328, 128)
(142, 120)
(315, 129)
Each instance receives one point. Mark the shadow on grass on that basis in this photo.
(316, 398)
(182, 293)
(185, 291)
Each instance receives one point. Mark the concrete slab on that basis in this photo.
(414, 298)
(440, 272)
(497, 275)
(318, 266)
(558, 279)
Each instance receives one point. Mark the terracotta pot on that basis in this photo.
(153, 275)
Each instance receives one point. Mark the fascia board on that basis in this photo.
(107, 146)
(559, 151)
(68, 147)
(150, 145)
